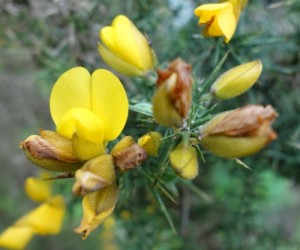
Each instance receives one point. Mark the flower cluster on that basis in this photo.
(91, 110)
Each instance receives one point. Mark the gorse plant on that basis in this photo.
(90, 111)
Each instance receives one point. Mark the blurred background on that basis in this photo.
(228, 207)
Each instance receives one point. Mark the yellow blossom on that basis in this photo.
(240, 132)
(88, 109)
(45, 219)
(220, 19)
(124, 48)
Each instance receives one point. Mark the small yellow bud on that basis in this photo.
(127, 154)
(172, 100)
(240, 132)
(94, 175)
(51, 151)
(150, 142)
(37, 189)
(237, 80)
(184, 161)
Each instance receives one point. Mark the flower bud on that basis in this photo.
(184, 161)
(127, 154)
(51, 151)
(172, 99)
(236, 80)
(96, 173)
(240, 132)
(150, 142)
(124, 48)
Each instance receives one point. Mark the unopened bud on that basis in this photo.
(240, 132)
(51, 151)
(172, 99)
(184, 161)
(150, 142)
(237, 80)
(127, 154)
(96, 173)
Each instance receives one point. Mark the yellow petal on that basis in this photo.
(118, 63)
(220, 19)
(184, 161)
(109, 102)
(126, 41)
(47, 218)
(37, 189)
(86, 150)
(84, 123)
(97, 207)
(16, 237)
(227, 21)
(71, 90)
(237, 80)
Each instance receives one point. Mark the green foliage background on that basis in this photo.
(226, 206)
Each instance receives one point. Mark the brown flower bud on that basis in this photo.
(51, 151)
(128, 154)
(172, 99)
(240, 132)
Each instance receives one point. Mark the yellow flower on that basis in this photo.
(184, 161)
(237, 80)
(124, 48)
(88, 109)
(220, 19)
(240, 132)
(45, 219)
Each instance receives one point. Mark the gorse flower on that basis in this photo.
(89, 109)
(220, 19)
(124, 48)
(45, 219)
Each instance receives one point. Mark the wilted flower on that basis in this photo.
(124, 48)
(51, 151)
(127, 154)
(237, 80)
(184, 161)
(88, 109)
(220, 19)
(240, 132)
(172, 99)
(96, 173)
(97, 206)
